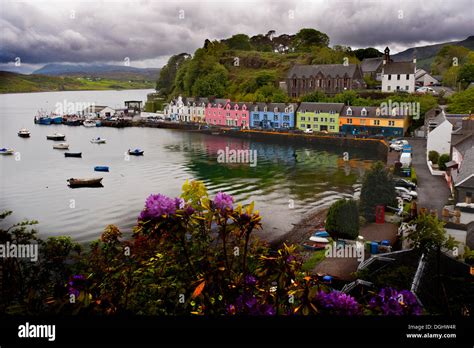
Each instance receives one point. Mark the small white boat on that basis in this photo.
(56, 136)
(5, 151)
(24, 133)
(98, 140)
(89, 123)
(61, 146)
(318, 239)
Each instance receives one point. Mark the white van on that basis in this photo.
(405, 159)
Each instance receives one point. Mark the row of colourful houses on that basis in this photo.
(320, 117)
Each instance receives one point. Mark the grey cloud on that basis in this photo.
(149, 31)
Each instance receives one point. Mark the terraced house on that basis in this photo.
(272, 115)
(320, 117)
(222, 112)
(369, 120)
(186, 110)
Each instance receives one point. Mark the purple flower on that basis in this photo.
(248, 304)
(157, 206)
(389, 301)
(179, 202)
(223, 201)
(189, 210)
(250, 280)
(75, 284)
(338, 303)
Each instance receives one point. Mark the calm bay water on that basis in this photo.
(35, 186)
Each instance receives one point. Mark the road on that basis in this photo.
(433, 191)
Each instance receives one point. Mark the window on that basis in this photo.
(303, 118)
(389, 88)
(376, 122)
(308, 126)
(286, 118)
(275, 117)
(315, 119)
(332, 127)
(256, 116)
(303, 125)
(349, 112)
(391, 123)
(408, 76)
(363, 112)
(398, 77)
(389, 77)
(315, 126)
(362, 122)
(332, 120)
(349, 120)
(407, 88)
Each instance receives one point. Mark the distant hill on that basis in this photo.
(18, 83)
(113, 72)
(426, 54)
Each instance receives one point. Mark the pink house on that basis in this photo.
(226, 113)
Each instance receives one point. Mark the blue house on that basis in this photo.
(272, 115)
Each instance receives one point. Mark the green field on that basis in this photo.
(18, 83)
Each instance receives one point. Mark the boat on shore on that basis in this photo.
(5, 151)
(314, 245)
(73, 154)
(136, 152)
(90, 182)
(56, 136)
(101, 168)
(24, 133)
(98, 140)
(61, 146)
(89, 123)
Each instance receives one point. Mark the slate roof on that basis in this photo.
(465, 143)
(399, 68)
(322, 107)
(271, 106)
(371, 112)
(332, 70)
(371, 64)
(465, 177)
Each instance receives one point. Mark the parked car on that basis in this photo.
(308, 131)
(426, 90)
(406, 191)
(404, 183)
(398, 145)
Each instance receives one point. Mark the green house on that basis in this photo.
(319, 117)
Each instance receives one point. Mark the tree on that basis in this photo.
(343, 219)
(433, 156)
(429, 234)
(165, 83)
(306, 38)
(462, 102)
(443, 159)
(368, 52)
(213, 84)
(239, 42)
(377, 189)
(314, 97)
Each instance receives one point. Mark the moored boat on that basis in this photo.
(43, 120)
(61, 146)
(56, 119)
(136, 152)
(90, 182)
(24, 133)
(5, 151)
(314, 245)
(89, 123)
(73, 154)
(98, 140)
(101, 168)
(56, 136)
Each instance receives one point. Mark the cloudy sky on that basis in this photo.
(147, 32)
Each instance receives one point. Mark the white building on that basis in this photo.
(424, 79)
(398, 76)
(98, 111)
(187, 110)
(439, 135)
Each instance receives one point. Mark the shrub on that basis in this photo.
(377, 189)
(443, 159)
(343, 219)
(433, 156)
(413, 176)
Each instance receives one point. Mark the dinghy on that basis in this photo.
(90, 182)
(98, 140)
(136, 152)
(61, 146)
(5, 151)
(101, 168)
(319, 239)
(56, 136)
(89, 123)
(73, 154)
(24, 133)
